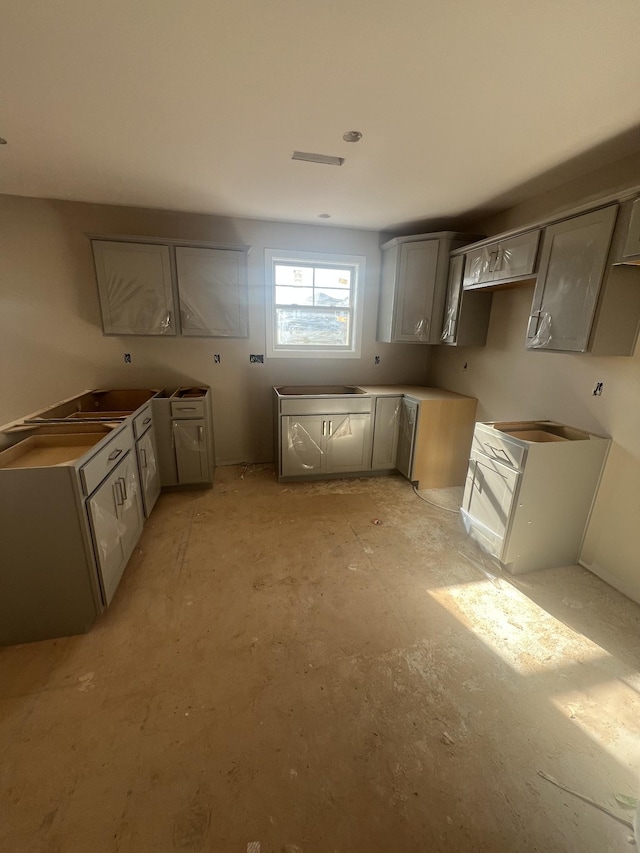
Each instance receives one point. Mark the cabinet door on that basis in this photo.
(489, 494)
(416, 291)
(212, 289)
(148, 467)
(516, 256)
(452, 305)
(478, 265)
(406, 436)
(632, 244)
(302, 444)
(192, 457)
(134, 285)
(115, 514)
(572, 265)
(385, 433)
(348, 443)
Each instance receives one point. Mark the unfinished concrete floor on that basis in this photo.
(279, 670)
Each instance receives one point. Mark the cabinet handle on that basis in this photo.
(498, 263)
(187, 409)
(330, 428)
(324, 427)
(143, 457)
(117, 492)
(533, 322)
(200, 434)
(497, 450)
(124, 488)
(114, 455)
(146, 421)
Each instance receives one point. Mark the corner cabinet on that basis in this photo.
(141, 283)
(413, 286)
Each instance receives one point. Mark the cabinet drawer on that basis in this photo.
(142, 422)
(347, 405)
(497, 446)
(187, 408)
(94, 472)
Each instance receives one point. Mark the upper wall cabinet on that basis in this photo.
(134, 285)
(413, 286)
(466, 314)
(505, 260)
(571, 275)
(138, 293)
(213, 291)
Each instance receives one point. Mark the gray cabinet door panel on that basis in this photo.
(385, 433)
(406, 436)
(572, 265)
(489, 493)
(212, 289)
(516, 256)
(134, 286)
(192, 459)
(479, 265)
(347, 443)
(149, 473)
(303, 444)
(417, 273)
(632, 244)
(452, 304)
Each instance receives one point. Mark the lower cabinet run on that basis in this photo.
(425, 433)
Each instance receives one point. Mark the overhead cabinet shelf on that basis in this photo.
(166, 289)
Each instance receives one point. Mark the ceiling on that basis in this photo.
(197, 105)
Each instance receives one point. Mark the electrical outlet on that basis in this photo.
(216, 358)
(597, 391)
(376, 359)
(256, 359)
(127, 358)
(465, 367)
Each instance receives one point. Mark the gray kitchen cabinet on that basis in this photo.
(212, 288)
(183, 429)
(529, 490)
(325, 444)
(631, 250)
(134, 287)
(572, 268)
(505, 260)
(386, 427)
(466, 313)
(406, 437)
(192, 456)
(413, 286)
(115, 512)
(147, 457)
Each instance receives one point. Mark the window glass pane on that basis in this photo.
(322, 328)
(294, 295)
(326, 277)
(292, 275)
(333, 298)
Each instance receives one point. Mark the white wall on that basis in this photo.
(512, 383)
(53, 347)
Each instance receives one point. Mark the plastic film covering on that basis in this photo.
(395, 415)
(303, 445)
(188, 438)
(344, 430)
(543, 336)
(108, 527)
(449, 327)
(149, 466)
(136, 308)
(422, 329)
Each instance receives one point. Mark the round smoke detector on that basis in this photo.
(352, 136)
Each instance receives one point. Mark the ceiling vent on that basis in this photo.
(317, 158)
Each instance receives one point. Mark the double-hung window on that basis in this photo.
(314, 304)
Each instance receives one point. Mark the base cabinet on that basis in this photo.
(325, 444)
(183, 426)
(116, 516)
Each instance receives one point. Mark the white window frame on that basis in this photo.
(356, 262)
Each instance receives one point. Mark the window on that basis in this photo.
(314, 304)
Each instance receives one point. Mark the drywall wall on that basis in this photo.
(52, 342)
(512, 383)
